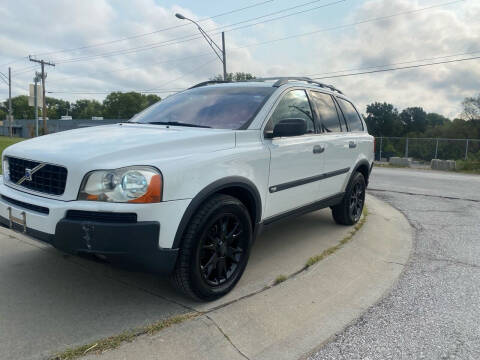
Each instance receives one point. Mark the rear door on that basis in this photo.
(337, 161)
(355, 140)
(296, 161)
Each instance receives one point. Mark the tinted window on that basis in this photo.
(294, 105)
(327, 112)
(216, 107)
(351, 116)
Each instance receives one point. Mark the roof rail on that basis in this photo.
(284, 80)
(209, 82)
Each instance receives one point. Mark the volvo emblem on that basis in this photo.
(28, 174)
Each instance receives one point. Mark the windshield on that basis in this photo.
(215, 107)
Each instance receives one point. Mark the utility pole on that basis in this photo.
(36, 79)
(44, 107)
(224, 57)
(10, 101)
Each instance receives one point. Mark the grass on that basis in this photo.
(6, 141)
(279, 279)
(331, 250)
(115, 341)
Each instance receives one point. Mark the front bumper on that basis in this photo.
(144, 244)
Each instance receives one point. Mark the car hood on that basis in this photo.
(121, 145)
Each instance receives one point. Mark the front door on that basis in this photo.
(296, 161)
(338, 160)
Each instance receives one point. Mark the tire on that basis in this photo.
(349, 211)
(215, 249)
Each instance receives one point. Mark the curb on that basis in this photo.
(289, 320)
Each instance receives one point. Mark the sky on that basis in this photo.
(100, 46)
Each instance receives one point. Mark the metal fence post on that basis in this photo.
(380, 157)
(406, 148)
(466, 151)
(436, 150)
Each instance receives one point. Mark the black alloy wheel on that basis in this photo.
(357, 199)
(222, 249)
(215, 249)
(350, 209)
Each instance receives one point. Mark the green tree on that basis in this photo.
(471, 108)
(85, 109)
(383, 120)
(238, 76)
(21, 109)
(118, 105)
(414, 119)
(56, 108)
(434, 120)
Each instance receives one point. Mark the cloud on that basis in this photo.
(26, 28)
(437, 32)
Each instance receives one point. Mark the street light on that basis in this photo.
(220, 52)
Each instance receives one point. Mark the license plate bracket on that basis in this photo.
(19, 221)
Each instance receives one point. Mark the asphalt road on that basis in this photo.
(433, 310)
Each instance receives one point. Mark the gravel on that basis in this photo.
(433, 311)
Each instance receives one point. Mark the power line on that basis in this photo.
(156, 31)
(361, 22)
(152, 90)
(398, 68)
(396, 63)
(132, 67)
(192, 37)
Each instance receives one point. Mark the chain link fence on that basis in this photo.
(427, 149)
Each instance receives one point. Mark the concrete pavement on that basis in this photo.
(50, 302)
(433, 310)
(289, 320)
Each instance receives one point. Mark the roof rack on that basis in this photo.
(284, 80)
(209, 82)
(279, 82)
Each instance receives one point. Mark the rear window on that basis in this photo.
(352, 118)
(327, 112)
(216, 107)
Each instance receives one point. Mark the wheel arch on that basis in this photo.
(236, 186)
(363, 166)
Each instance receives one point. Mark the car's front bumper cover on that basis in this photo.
(131, 244)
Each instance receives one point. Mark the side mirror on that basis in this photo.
(289, 127)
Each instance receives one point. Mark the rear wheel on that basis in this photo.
(215, 249)
(349, 211)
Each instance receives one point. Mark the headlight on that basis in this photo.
(135, 184)
(6, 169)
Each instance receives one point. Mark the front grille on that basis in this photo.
(50, 179)
(101, 216)
(25, 205)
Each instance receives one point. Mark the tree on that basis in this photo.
(471, 108)
(21, 109)
(118, 105)
(85, 109)
(414, 119)
(56, 108)
(383, 120)
(434, 120)
(238, 76)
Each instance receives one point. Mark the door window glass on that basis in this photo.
(294, 105)
(351, 116)
(327, 112)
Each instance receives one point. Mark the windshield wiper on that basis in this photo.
(176, 123)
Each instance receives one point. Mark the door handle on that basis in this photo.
(318, 149)
(352, 144)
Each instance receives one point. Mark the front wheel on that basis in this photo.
(349, 211)
(215, 249)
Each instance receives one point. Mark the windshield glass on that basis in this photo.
(215, 107)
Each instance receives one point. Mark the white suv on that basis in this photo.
(185, 186)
